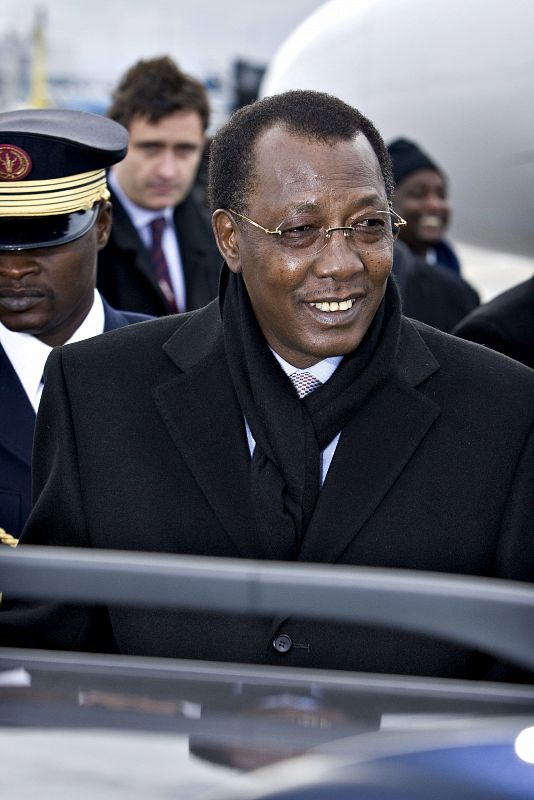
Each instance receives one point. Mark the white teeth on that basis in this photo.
(431, 221)
(343, 305)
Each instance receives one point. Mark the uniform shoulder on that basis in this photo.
(132, 341)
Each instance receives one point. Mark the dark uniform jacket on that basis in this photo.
(17, 423)
(505, 324)
(125, 273)
(141, 446)
(431, 293)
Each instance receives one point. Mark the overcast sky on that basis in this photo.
(101, 39)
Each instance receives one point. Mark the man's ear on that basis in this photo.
(103, 224)
(227, 237)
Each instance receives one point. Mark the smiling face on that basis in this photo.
(47, 292)
(162, 159)
(312, 306)
(421, 198)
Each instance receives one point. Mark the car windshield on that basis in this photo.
(99, 726)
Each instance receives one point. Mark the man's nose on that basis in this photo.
(339, 257)
(17, 264)
(167, 164)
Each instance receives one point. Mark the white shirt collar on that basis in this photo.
(28, 354)
(323, 370)
(431, 256)
(140, 217)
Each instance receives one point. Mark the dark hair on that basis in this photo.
(154, 89)
(316, 115)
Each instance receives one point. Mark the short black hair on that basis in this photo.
(155, 88)
(316, 115)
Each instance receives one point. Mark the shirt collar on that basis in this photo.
(323, 370)
(431, 256)
(93, 324)
(140, 217)
(28, 354)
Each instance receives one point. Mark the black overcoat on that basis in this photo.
(505, 324)
(141, 446)
(431, 293)
(126, 276)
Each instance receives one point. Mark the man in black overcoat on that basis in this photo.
(298, 417)
(161, 256)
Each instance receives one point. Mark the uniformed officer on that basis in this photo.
(54, 218)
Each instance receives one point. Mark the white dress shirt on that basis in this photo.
(141, 219)
(323, 370)
(28, 354)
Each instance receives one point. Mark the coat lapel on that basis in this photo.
(203, 417)
(17, 420)
(128, 240)
(198, 252)
(372, 452)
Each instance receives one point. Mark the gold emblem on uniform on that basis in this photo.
(15, 163)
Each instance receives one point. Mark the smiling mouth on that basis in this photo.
(431, 221)
(336, 305)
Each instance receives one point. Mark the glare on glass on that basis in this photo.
(304, 236)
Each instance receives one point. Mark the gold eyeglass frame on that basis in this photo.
(347, 229)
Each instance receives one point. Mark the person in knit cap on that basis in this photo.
(425, 265)
(421, 197)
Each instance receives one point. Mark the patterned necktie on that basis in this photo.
(159, 262)
(304, 382)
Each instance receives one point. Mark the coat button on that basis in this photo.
(282, 643)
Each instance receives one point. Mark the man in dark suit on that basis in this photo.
(161, 256)
(47, 268)
(505, 323)
(299, 417)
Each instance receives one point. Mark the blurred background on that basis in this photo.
(70, 53)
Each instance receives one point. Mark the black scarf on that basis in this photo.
(291, 433)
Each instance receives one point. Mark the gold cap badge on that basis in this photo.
(15, 163)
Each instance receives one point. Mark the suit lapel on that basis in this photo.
(127, 239)
(372, 452)
(17, 420)
(213, 445)
(198, 253)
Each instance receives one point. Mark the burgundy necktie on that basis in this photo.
(304, 382)
(159, 262)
